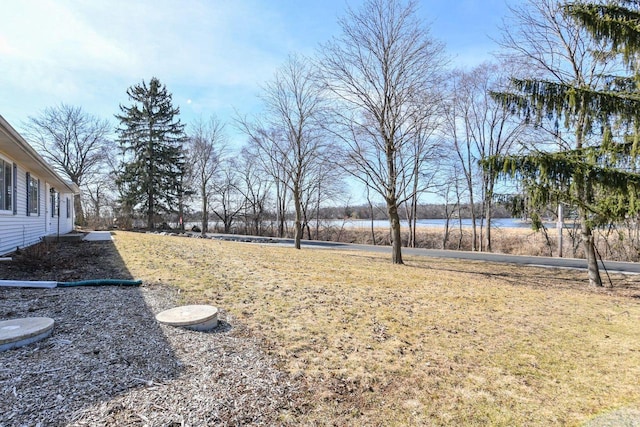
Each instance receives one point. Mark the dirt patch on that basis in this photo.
(64, 262)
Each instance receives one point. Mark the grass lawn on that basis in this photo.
(433, 342)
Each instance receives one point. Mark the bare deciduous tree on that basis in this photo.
(228, 201)
(99, 189)
(451, 189)
(327, 184)
(379, 71)
(73, 141)
(290, 137)
(255, 187)
(265, 157)
(205, 147)
(480, 127)
(422, 157)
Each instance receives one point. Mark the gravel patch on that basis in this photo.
(108, 362)
(625, 417)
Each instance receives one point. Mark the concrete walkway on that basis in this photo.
(98, 236)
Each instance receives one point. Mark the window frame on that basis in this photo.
(33, 184)
(8, 170)
(53, 204)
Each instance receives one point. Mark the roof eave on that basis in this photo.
(24, 153)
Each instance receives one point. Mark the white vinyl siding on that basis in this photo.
(25, 181)
(57, 205)
(20, 229)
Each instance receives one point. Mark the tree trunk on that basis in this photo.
(592, 261)
(413, 222)
(77, 206)
(474, 230)
(181, 215)
(150, 224)
(373, 232)
(414, 215)
(408, 215)
(487, 216)
(205, 219)
(150, 183)
(318, 216)
(97, 203)
(256, 219)
(445, 235)
(282, 203)
(559, 227)
(490, 185)
(304, 222)
(396, 240)
(460, 229)
(205, 210)
(590, 253)
(298, 225)
(585, 193)
(488, 233)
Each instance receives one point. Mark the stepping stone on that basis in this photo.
(195, 317)
(18, 332)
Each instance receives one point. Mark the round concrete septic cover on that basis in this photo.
(197, 317)
(18, 332)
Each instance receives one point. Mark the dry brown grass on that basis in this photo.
(434, 342)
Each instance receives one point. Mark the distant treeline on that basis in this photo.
(426, 211)
(379, 211)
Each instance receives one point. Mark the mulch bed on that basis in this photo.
(108, 362)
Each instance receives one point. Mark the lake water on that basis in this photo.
(434, 223)
(438, 223)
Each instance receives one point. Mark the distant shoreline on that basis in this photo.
(421, 223)
(426, 223)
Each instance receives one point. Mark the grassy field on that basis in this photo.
(434, 342)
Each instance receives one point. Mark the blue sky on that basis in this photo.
(213, 55)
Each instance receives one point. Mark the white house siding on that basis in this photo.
(19, 230)
(59, 224)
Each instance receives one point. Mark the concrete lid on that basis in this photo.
(187, 315)
(19, 332)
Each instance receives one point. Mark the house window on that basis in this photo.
(15, 188)
(68, 208)
(6, 186)
(53, 204)
(33, 195)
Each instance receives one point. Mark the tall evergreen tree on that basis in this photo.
(599, 178)
(151, 138)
